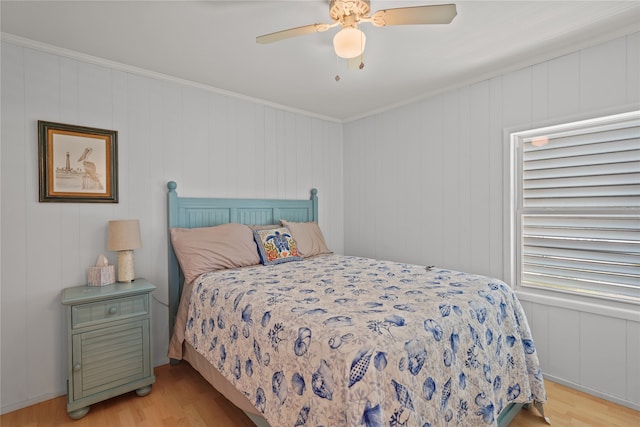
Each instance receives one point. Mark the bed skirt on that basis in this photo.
(217, 380)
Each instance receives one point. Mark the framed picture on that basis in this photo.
(77, 163)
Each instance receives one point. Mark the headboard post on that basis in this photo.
(175, 285)
(314, 202)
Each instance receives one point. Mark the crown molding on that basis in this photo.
(78, 56)
(555, 49)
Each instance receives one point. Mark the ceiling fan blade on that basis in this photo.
(435, 14)
(293, 32)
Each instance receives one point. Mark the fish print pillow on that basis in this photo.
(276, 246)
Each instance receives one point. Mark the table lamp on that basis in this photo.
(123, 237)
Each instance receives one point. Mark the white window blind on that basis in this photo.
(578, 207)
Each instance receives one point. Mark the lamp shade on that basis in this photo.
(349, 42)
(124, 235)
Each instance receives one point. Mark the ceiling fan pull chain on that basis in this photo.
(361, 66)
(337, 77)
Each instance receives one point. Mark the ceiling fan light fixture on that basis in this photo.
(349, 42)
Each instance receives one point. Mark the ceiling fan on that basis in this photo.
(349, 42)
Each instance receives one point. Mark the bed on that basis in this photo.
(339, 340)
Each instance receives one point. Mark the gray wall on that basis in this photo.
(425, 183)
(210, 144)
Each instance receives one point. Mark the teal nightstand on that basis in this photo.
(109, 339)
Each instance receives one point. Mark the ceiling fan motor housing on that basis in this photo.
(338, 9)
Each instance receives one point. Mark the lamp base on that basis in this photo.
(126, 272)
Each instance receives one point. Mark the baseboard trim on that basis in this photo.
(44, 397)
(587, 390)
(32, 401)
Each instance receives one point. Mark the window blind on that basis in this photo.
(579, 209)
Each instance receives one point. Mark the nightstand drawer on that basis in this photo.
(107, 311)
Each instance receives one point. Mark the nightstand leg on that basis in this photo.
(143, 391)
(79, 413)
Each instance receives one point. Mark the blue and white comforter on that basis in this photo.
(347, 341)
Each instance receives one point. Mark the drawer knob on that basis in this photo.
(76, 367)
(113, 310)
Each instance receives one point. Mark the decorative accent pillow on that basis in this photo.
(276, 246)
(200, 250)
(308, 237)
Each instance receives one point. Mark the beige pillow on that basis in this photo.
(263, 227)
(200, 250)
(308, 237)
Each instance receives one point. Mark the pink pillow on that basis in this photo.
(200, 250)
(263, 227)
(309, 238)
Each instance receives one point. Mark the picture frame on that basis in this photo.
(77, 163)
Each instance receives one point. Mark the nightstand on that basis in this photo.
(109, 341)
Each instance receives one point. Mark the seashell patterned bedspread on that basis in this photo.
(348, 341)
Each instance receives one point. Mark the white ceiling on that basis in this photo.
(213, 43)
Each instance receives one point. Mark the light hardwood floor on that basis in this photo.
(181, 398)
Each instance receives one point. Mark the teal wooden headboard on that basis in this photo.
(193, 212)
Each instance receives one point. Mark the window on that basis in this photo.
(576, 207)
